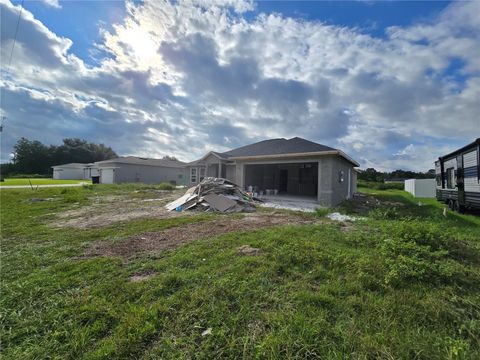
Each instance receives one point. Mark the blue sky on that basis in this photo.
(394, 84)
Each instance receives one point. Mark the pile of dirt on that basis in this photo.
(362, 204)
(174, 237)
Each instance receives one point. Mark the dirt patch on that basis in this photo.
(248, 250)
(106, 210)
(362, 203)
(143, 275)
(174, 237)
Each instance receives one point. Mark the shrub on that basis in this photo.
(385, 213)
(322, 212)
(380, 185)
(415, 251)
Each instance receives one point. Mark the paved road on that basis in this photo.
(41, 186)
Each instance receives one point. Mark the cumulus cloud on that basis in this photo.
(186, 77)
(52, 3)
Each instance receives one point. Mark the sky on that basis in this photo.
(393, 84)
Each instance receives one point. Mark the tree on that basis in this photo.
(171, 158)
(31, 157)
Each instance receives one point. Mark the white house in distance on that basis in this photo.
(131, 169)
(74, 171)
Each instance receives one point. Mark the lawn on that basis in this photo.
(40, 181)
(404, 283)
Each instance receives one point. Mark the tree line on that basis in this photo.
(33, 157)
(371, 174)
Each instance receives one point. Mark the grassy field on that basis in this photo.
(404, 283)
(40, 181)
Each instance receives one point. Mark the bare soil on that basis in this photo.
(106, 210)
(154, 242)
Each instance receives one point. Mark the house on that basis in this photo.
(74, 171)
(143, 170)
(423, 188)
(295, 167)
(458, 177)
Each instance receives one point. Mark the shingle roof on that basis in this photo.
(277, 147)
(143, 161)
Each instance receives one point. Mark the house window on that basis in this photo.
(193, 175)
(202, 173)
(439, 180)
(450, 178)
(180, 176)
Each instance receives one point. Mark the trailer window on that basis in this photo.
(450, 178)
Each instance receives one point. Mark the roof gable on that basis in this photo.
(277, 147)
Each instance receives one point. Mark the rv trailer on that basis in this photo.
(458, 178)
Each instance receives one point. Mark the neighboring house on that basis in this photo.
(74, 171)
(292, 167)
(132, 169)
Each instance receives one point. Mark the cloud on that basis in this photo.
(191, 76)
(52, 3)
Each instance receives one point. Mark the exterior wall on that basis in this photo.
(424, 188)
(341, 185)
(60, 173)
(125, 173)
(230, 173)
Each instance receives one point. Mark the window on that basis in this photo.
(439, 180)
(202, 173)
(193, 175)
(450, 178)
(180, 176)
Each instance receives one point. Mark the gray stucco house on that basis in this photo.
(291, 166)
(131, 169)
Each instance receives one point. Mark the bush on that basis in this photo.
(380, 185)
(166, 186)
(385, 213)
(322, 212)
(30, 176)
(415, 251)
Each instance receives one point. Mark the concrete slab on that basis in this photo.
(291, 202)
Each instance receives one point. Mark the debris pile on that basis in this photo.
(214, 194)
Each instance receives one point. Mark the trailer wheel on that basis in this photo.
(451, 205)
(459, 208)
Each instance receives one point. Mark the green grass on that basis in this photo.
(402, 284)
(39, 181)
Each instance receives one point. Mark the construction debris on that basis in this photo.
(214, 194)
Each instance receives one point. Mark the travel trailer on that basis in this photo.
(458, 178)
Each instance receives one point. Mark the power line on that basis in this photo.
(16, 32)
